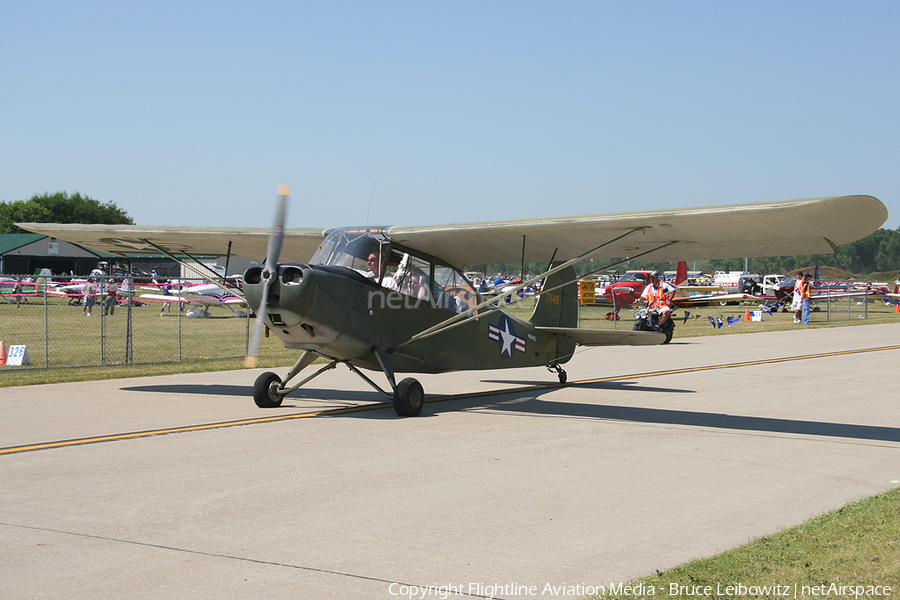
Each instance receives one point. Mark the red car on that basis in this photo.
(628, 289)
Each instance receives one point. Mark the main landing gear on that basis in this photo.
(408, 396)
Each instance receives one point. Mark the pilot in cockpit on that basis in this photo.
(372, 266)
(373, 270)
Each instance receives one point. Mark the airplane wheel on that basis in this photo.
(264, 390)
(409, 398)
(562, 376)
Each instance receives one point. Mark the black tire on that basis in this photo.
(669, 331)
(639, 326)
(562, 376)
(263, 390)
(409, 398)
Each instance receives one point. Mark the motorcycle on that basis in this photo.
(646, 319)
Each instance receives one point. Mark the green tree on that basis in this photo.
(59, 208)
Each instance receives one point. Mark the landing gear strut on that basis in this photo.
(269, 390)
(408, 397)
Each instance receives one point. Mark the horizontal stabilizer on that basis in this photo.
(607, 337)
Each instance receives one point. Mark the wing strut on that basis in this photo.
(472, 313)
(522, 272)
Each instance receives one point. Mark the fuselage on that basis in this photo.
(338, 313)
(341, 307)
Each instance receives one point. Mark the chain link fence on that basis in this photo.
(49, 318)
(833, 302)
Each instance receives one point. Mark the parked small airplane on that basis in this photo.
(707, 295)
(393, 299)
(202, 296)
(74, 289)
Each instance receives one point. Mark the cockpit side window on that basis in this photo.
(452, 291)
(414, 277)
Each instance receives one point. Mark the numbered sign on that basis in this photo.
(18, 355)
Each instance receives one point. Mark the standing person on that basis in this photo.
(109, 305)
(167, 291)
(17, 291)
(90, 296)
(805, 295)
(796, 300)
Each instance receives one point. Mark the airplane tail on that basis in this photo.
(558, 307)
(681, 274)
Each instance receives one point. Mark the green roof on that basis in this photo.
(13, 241)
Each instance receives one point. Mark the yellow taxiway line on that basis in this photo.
(338, 411)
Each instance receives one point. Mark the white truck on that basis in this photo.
(738, 282)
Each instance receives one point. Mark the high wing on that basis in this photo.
(250, 243)
(811, 226)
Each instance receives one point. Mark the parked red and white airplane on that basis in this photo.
(200, 297)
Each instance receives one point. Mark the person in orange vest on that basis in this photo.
(805, 293)
(658, 296)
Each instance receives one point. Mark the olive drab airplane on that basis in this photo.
(394, 300)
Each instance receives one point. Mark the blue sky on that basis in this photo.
(192, 113)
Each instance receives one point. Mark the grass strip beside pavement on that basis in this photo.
(852, 552)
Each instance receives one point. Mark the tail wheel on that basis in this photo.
(264, 390)
(409, 398)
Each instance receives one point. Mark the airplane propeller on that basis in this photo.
(269, 273)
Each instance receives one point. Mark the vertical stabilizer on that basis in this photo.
(559, 306)
(681, 273)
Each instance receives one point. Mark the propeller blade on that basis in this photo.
(269, 273)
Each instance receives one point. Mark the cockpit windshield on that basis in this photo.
(362, 250)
